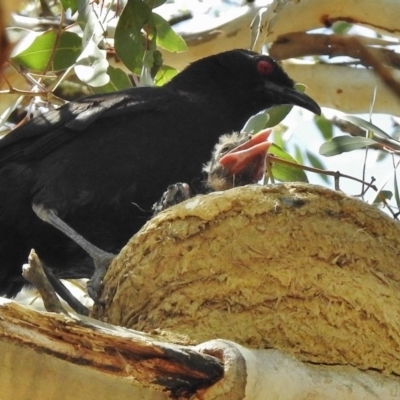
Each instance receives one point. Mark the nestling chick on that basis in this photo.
(238, 159)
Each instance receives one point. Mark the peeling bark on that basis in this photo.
(37, 363)
(134, 359)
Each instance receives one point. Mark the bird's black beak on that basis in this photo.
(291, 96)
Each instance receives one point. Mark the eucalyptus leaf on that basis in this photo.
(129, 39)
(396, 191)
(387, 195)
(298, 154)
(88, 20)
(70, 4)
(164, 75)
(378, 134)
(278, 114)
(91, 66)
(37, 56)
(155, 3)
(284, 172)
(342, 144)
(119, 80)
(325, 126)
(362, 123)
(317, 163)
(145, 75)
(278, 140)
(382, 155)
(341, 27)
(23, 39)
(256, 123)
(166, 36)
(314, 160)
(157, 62)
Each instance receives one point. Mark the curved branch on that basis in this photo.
(300, 44)
(304, 15)
(131, 357)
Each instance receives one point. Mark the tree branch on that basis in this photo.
(304, 15)
(118, 352)
(300, 44)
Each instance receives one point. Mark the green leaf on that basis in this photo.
(325, 126)
(157, 63)
(256, 123)
(71, 4)
(341, 27)
(155, 3)
(67, 51)
(37, 55)
(283, 172)
(317, 163)
(373, 131)
(145, 75)
(314, 161)
(301, 87)
(342, 144)
(119, 80)
(166, 36)
(164, 75)
(278, 138)
(89, 21)
(23, 39)
(396, 192)
(387, 194)
(298, 154)
(130, 44)
(382, 155)
(278, 114)
(362, 123)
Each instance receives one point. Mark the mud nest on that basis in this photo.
(293, 266)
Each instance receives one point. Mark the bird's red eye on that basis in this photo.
(265, 67)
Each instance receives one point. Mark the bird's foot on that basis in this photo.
(95, 283)
(174, 194)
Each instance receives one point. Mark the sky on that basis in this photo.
(303, 132)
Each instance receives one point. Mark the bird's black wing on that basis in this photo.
(46, 132)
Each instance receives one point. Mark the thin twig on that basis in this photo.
(335, 174)
(34, 273)
(31, 93)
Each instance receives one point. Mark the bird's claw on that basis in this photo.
(174, 194)
(95, 283)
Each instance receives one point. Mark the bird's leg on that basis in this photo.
(101, 258)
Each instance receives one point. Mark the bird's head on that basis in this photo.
(246, 81)
(238, 159)
(267, 83)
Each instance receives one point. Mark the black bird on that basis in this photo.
(101, 162)
(238, 159)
